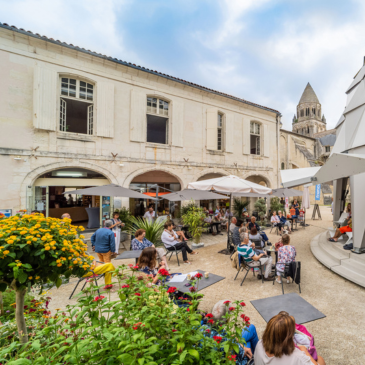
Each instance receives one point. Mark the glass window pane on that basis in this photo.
(72, 82)
(149, 101)
(251, 127)
(64, 79)
(72, 93)
(257, 129)
(82, 83)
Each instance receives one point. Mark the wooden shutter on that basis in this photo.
(177, 124)
(63, 109)
(229, 132)
(105, 109)
(246, 136)
(212, 129)
(45, 98)
(266, 141)
(138, 121)
(90, 119)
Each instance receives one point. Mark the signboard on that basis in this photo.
(286, 202)
(318, 192)
(7, 212)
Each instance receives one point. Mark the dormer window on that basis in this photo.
(76, 106)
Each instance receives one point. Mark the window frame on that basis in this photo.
(90, 111)
(327, 147)
(167, 116)
(253, 122)
(220, 130)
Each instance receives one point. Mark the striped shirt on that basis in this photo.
(246, 252)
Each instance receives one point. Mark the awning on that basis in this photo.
(296, 177)
(283, 193)
(189, 194)
(339, 165)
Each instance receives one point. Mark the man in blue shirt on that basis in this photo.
(103, 242)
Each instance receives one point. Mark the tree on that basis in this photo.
(238, 206)
(260, 206)
(276, 205)
(35, 250)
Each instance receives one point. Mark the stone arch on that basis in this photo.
(33, 175)
(257, 178)
(200, 174)
(136, 173)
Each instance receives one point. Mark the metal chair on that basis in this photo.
(246, 266)
(258, 243)
(284, 275)
(276, 227)
(176, 251)
(95, 277)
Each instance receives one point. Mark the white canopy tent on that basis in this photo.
(296, 177)
(190, 194)
(284, 192)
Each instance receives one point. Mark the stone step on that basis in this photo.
(351, 275)
(360, 258)
(334, 252)
(323, 257)
(355, 266)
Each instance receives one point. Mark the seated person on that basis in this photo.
(236, 233)
(254, 235)
(147, 263)
(253, 223)
(207, 219)
(284, 221)
(232, 226)
(275, 220)
(249, 334)
(171, 241)
(286, 254)
(242, 231)
(340, 231)
(293, 214)
(140, 242)
(101, 268)
(277, 344)
(254, 260)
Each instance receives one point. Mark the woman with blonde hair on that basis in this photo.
(277, 346)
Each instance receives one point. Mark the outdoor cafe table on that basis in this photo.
(203, 282)
(134, 254)
(272, 249)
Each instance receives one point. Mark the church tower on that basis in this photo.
(308, 120)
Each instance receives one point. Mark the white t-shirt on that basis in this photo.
(298, 357)
(275, 219)
(169, 239)
(149, 216)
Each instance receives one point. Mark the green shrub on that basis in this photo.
(194, 219)
(238, 206)
(184, 209)
(8, 298)
(153, 229)
(260, 206)
(125, 216)
(276, 205)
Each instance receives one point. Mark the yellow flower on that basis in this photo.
(23, 232)
(75, 262)
(29, 242)
(19, 264)
(63, 249)
(44, 238)
(30, 277)
(37, 277)
(47, 248)
(12, 304)
(13, 237)
(13, 229)
(82, 236)
(53, 247)
(60, 264)
(34, 239)
(10, 242)
(6, 252)
(58, 261)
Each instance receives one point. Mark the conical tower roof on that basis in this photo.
(309, 96)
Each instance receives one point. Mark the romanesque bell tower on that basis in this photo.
(309, 120)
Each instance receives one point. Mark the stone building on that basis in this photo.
(74, 118)
(309, 143)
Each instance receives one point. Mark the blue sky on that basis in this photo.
(264, 51)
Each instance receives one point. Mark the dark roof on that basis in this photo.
(132, 65)
(328, 140)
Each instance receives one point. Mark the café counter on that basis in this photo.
(78, 214)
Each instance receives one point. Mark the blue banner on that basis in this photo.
(318, 192)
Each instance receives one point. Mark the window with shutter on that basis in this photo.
(255, 138)
(157, 120)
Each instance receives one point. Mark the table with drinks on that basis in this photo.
(184, 282)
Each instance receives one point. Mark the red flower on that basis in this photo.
(209, 315)
(193, 289)
(198, 275)
(243, 304)
(138, 295)
(163, 272)
(135, 327)
(139, 278)
(171, 290)
(173, 330)
(98, 298)
(125, 286)
(208, 330)
(232, 357)
(227, 302)
(107, 287)
(134, 267)
(130, 265)
(211, 321)
(188, 310)
(232, 309)
(218, 339)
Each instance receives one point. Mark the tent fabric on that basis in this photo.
(296, 177)
(189, 194)
(110, 190)
(360, 75)
(230, 184)
(284, 192)
(306, 204)
(358, 99)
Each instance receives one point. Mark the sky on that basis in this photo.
(264, 51)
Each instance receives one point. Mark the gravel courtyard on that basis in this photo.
(339, 337)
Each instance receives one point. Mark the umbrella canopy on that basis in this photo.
(306, 204)
(230, 184)
(110, 190)
(189, 194)
(283, 192)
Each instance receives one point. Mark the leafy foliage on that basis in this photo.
(143, 326)
(184, 209)
(194, 219)
(125, 216)
(153, 229)
(9, 303)
(276, 205)
(238, 206)
(260, 206)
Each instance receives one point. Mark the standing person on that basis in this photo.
(103, 242)
(277, 345)
(150, 215)
(116, 228)
(170, 239)
(296, 207)
(70, 200)
(286, 254)
(140, 242)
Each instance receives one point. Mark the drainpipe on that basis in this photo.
(278, 119)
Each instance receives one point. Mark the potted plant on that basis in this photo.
(194, 219)
(124, 216)
(153, 229)
(238, 206)
(260, 207)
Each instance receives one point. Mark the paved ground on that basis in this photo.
(339, 337)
